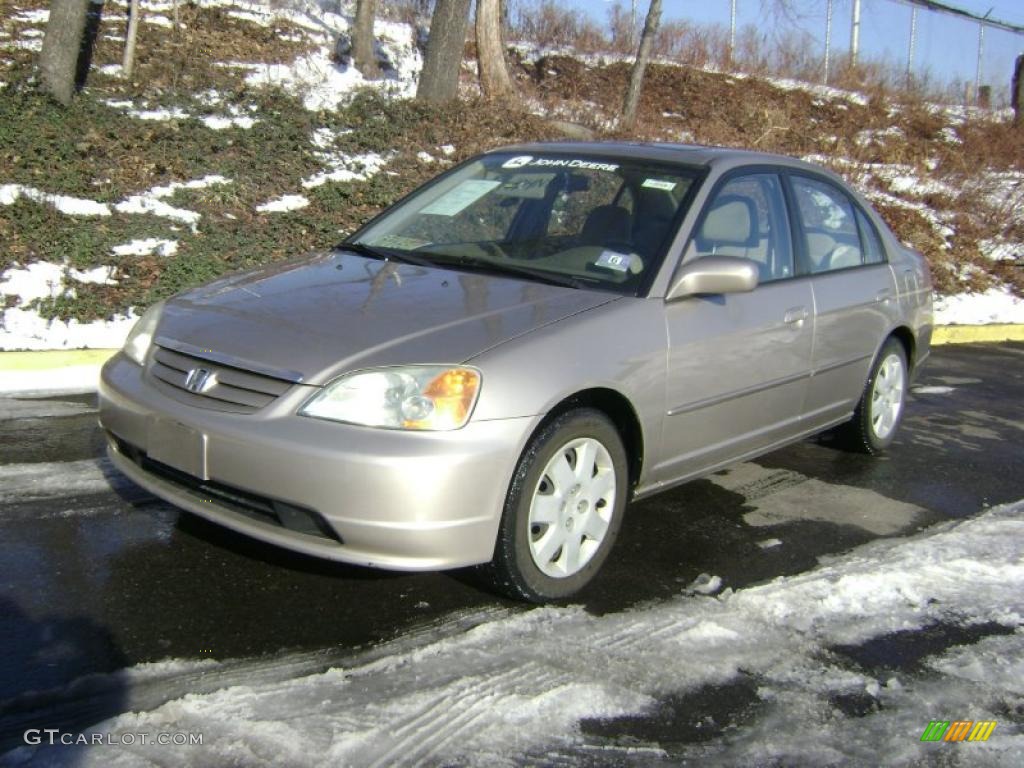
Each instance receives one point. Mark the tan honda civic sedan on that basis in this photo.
(490, 370)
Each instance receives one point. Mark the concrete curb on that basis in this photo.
(969, 334)
(49, 359)
(65, 358)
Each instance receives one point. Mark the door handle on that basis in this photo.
(795, 316)
(883, 295)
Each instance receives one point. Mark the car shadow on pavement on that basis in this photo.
(49, 678)
(669, 540)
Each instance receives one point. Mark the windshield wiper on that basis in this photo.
(384, 254)
(501, 268)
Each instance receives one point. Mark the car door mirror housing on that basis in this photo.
(713, 274)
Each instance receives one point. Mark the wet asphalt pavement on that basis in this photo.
(96, 575)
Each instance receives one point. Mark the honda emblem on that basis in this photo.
(199, 380)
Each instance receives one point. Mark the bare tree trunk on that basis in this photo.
(134, 17)
(1017, 91)
(490, 51)
(636, 79)
(363, 55)
(439, 81)
(58, 61)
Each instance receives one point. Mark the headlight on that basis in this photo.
(421, 397)
(141, 336)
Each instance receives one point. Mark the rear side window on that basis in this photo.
(873, 251)
(832, 238)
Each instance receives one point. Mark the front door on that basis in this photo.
(738, 364)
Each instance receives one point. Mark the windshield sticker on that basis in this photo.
(528, 161)
(463, 196)
(617, 262)
(667, 186)
(400, 242)
(530, 185)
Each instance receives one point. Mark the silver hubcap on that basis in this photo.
(887, 396)
(572, 507)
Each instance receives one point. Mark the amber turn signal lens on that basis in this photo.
(453, 394)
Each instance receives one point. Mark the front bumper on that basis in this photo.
(382, 498)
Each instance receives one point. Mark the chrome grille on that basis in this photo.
(228, 388)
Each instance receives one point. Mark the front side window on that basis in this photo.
(747, 218)
(831, 234)
(584, 221)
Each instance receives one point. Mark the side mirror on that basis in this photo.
(713, 274)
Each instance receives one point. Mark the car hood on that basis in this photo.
(334, 312)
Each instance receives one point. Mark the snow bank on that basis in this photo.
(996, 305)
(25, 329)
(514, 690)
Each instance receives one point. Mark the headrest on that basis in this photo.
(730, 222)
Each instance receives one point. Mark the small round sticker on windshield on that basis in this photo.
(517, 162)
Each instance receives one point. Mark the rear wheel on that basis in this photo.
(880, 410)
(563, 510)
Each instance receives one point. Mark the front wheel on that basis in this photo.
(880, 410)
(563, 510)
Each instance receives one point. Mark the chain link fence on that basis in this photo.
(924, 46)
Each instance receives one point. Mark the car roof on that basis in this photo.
(685, 154)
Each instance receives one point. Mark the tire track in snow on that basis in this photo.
(148, 686)
(448, 716)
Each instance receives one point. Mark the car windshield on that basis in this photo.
(593, 222)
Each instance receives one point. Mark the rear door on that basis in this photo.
(854, 293)
(738, 364)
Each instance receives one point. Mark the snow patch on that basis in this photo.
(31, 17)
(316, 77)
(1001, 251)
(102, 275)
(72, 206)
(157, 20)
(146, 247)
(39, 280)
(933, 390)
(220, 123)
(344, 167)
(152, 200)
(283, 204)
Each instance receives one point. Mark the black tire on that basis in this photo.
(860, 434)
(514, 571)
